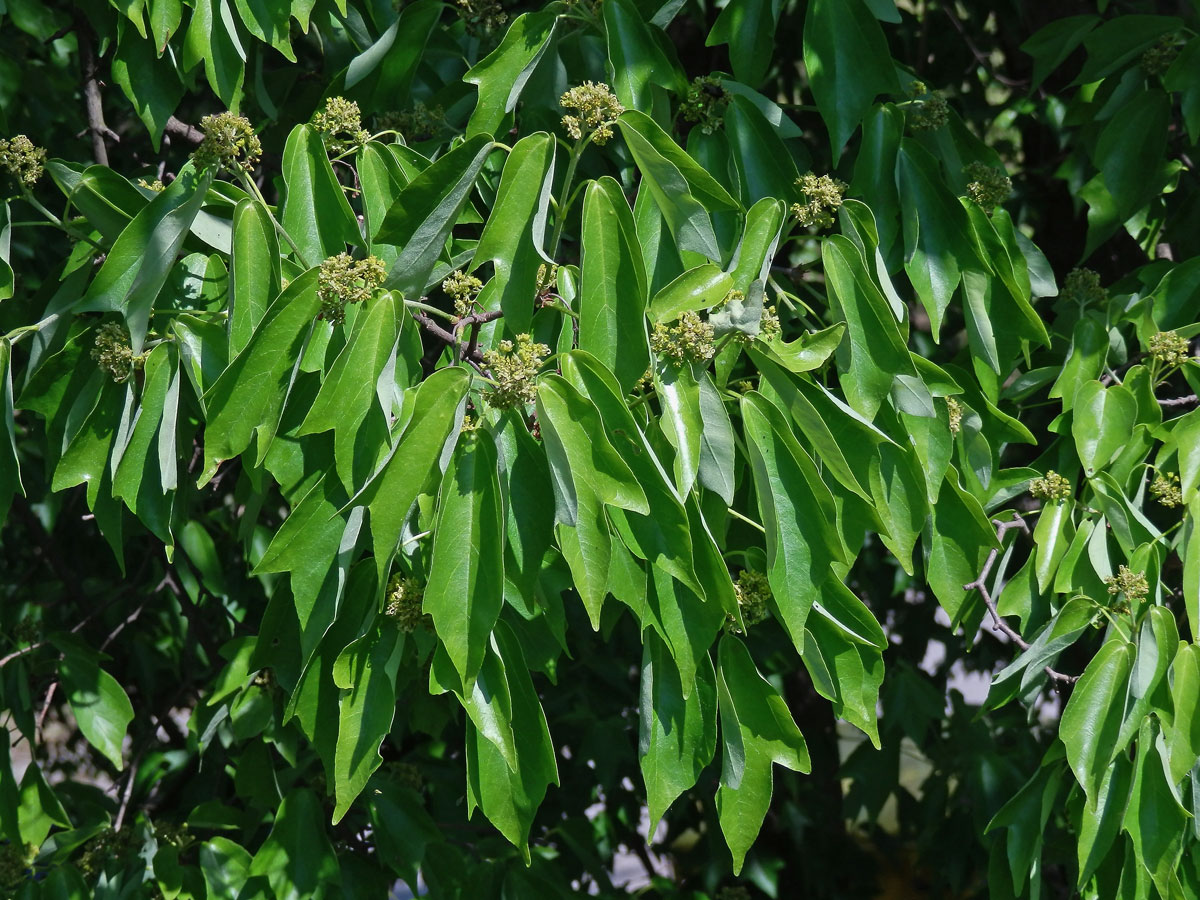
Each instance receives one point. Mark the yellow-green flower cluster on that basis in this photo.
(462, 289)
(407, 774)
(989, 186)
(14, 863)
(955, 411)
(1132, 585)
(1157, 59)
(404, 598)
(547, 279)
(1082, 287)
(514, 368)
(229, 143)
(929, 110)
(481, 16)
(753, 593)
(22, 159)
(178, 836)
(1165, 489)
(417, 124)
(344, 279)
(104, 847)
(689, 340)
(1169, 348)
(768, 326)
(705, 103)
(340, 125)
(113, 354)
(822, 195)
(1050, 487)
(596, 108)
(156, 185)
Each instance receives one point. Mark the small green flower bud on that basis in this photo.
(689, 340)
(340, 125)
(229, 143)
(481, 16)
(404, 603)
(547, 279)
(1051, 487)
(462, 289)
(1169, 348)
(989, 186)
(705, 103)
(597, 111)
(929, 111)
(768, 327)
(1157, 59)
(1165, 489)
(113, 354)
(1132, 585)
(343, 279)
(955, 411)
(823, 195)
(514, 368)
(21, 159)
(753, 593)
(1082, 287)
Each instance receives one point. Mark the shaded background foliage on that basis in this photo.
(176, 632)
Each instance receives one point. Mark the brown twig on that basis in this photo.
(475, 358)
(998, 624)
(1179, 401)
(182, 129)
(93, 102)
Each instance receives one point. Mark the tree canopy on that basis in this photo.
(466, 443)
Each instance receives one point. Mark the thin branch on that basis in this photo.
(181, 129)
(998, 624)
(980, 57)
(474, 357)
(1189, 400)
(93, 102)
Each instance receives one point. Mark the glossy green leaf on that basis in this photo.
(1052, 44)
(212, 38)
(677, 734)
(757, 731)
(1154, 818)
(247, 400)
(682, 421)
(426, 210)
(297, 858)
(960, 539)
(1093, 714)
(637, 56)
(700, 288)
(99, 704)
(613, 285)
(466, 576)
(514, 233)
(254, 275)
(315, 213)
(848, 64)
(765, 167)
(1102, 420)
(154, 90)
(748, 27)
(1052, 536)
(503, 74)
(10, 462)
(716, 468)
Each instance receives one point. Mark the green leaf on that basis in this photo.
(487, 701)
(297, 858)
(684, 191)
(613, 285)
(700, 288)
(1154, 818)
(874, 352)
(212, 38)
(1084, 362)
(99, 704)
(797, 510)
(572, 429)
(717, 464)
(10, 820)
(510, 798)
(165, 16)
(934, 227)
(1130, 151)
(154, 89)
(760, 240)
(137, 266)
(960, 539)
(1119, 41)
(269, 21)
(503, 73)
(224, 865)
(1024, 817)
(748, 27)
(1052, 536)
(765, 167)
(636, 56)
(1101, 422)
(1093, 714)
(366, 672)
(677, 734)
(1052, 44)
(854, 669)
(1183, 733)
(757, 730)
(10, 462)
(807, 352)
(254, 275)
(248, 398)
(1102, 815)
(514, 234)
(679, 395)
(466, 576)
(385, 70)
(139, 478)
(315, 212)
(40, 808)
(421, 218)
(414, 460)
(848, 64)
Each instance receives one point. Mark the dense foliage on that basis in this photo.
(441, 442)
